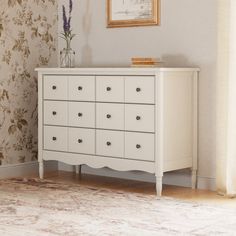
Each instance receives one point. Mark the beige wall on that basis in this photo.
(28, 39)
(187, 37)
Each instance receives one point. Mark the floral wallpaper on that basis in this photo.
(28, 39)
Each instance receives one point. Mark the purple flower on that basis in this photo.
(68, 23)
(65, 22)
(67, 34)
(70, 6)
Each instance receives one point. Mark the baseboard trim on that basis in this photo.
(25, 169)
(207, 183)
(181, 178)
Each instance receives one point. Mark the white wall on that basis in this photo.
(187, 37)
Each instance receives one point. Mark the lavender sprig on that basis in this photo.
(67, 34)
(68, 23)
(70, 6)
(65, 22)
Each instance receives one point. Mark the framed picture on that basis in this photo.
(125, 13)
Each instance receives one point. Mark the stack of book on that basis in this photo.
(145, 62)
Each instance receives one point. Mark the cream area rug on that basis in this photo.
(36, 208)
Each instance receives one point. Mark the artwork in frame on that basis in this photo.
(125, 13)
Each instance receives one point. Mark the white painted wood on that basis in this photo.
(177, 164)
(81, 114)
(55, 113)
(81, 140)
(194, 179)
(177, 114)
(79, 171)
(110, 89)
(41, 170)
(164, 99)
(195, 130)
(110, 116)
(139, 146)
(76, 169)
(159, 186)
(139, 117)
(139, 89)
(55, 87)
(81, 88)
(118, 164)
(159, 127)
(110, 143)
(114, 70)
(40, 124)
(55, 138)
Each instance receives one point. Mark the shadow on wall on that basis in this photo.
(87, 55)
(170, 60)
(176, 60)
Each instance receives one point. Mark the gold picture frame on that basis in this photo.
(127, 13)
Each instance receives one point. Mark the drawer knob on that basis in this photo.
(138, 146)
(80, 114)
(80, 88)
(80, 141)
(108, 116)
(138, 90)
(108, 143)
(54, 138)
(54, 113)
(108, 89)
(138, 117)
(54, 87)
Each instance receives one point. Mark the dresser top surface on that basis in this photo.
(121, 70)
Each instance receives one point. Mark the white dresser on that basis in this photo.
(122, 118)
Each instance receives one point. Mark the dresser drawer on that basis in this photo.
(110, 143)
(55, 113)
(82, 88)
(82, 114)
(55, 138)
(82, 140)
(110, 89)
(139, 89)
(139, 117)
(55, 87)
(110, 116)
(139, 146)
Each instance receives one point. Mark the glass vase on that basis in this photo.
(67, 58)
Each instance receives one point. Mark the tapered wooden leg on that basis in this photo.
(159, 186)
(41, 170)
(194, 179)
(78, 170)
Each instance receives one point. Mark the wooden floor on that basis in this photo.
(182, 193)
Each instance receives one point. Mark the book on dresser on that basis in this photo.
(123, 118)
